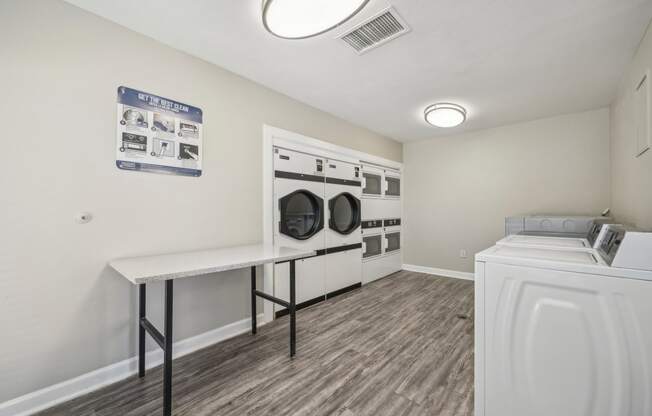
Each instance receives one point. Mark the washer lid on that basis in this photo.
(580, 261)
(564, 256)
(560, 242)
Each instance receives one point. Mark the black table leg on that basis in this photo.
(293, 310)
(142, 296)
(253, 300)
(167, 361)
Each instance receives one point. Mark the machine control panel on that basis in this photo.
(609, 246)
(392, 222)
(372, 224)
(596, 228)
(625, 248)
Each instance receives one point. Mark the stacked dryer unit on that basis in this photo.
(299, 218)
(381, 225)
(317, 206)
(343, 237)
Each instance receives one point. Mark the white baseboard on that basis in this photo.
(439, 272)
(75, 387)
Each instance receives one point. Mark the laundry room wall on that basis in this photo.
(62, 311)
(460, 188)
(631, 176)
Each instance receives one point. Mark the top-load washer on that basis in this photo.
(300, 219)
(343, 236)
(572, 241)
(565, 332)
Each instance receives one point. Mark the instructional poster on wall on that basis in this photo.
(156, 134)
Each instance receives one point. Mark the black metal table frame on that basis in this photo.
(164, 340)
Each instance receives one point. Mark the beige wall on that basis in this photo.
(62, 311)
(631, 176)
(458, 189)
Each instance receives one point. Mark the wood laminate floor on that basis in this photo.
(402, 345)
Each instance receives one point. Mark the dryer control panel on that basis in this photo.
(392, 222)
(613, 237)
(296, 165)
(596, 231)
(372, 224)
(625, 248)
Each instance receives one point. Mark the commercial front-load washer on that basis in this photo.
(343, 235)
(565, 332)
(571, 241)
(299, 218)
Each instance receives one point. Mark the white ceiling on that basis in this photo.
(505, 60)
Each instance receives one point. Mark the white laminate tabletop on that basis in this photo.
(194, 263)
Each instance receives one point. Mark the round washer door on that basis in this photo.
(345, 213)
(302, 214)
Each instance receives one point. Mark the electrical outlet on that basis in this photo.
(463, 253)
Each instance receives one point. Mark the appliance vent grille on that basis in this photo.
(378, 30)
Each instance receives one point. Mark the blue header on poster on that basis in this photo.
(153, 102)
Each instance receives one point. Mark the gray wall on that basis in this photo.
(458, 189)
(631, 176)
(62, 312)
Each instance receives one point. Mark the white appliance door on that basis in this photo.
(392, 241)
(392, 185)
(372, 245)
(344, 215)
(565, 344)
(343, 269)
(372, 181)
(309, 275)
(537, 241)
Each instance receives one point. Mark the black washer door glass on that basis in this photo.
(301, 215)
(345, 213)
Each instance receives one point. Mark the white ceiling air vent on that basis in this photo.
(378, 30)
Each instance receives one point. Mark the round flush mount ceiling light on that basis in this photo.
(445, 114)
(300, 19)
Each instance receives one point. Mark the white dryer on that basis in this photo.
(565, 332)
(299, 218)
(343, 236)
